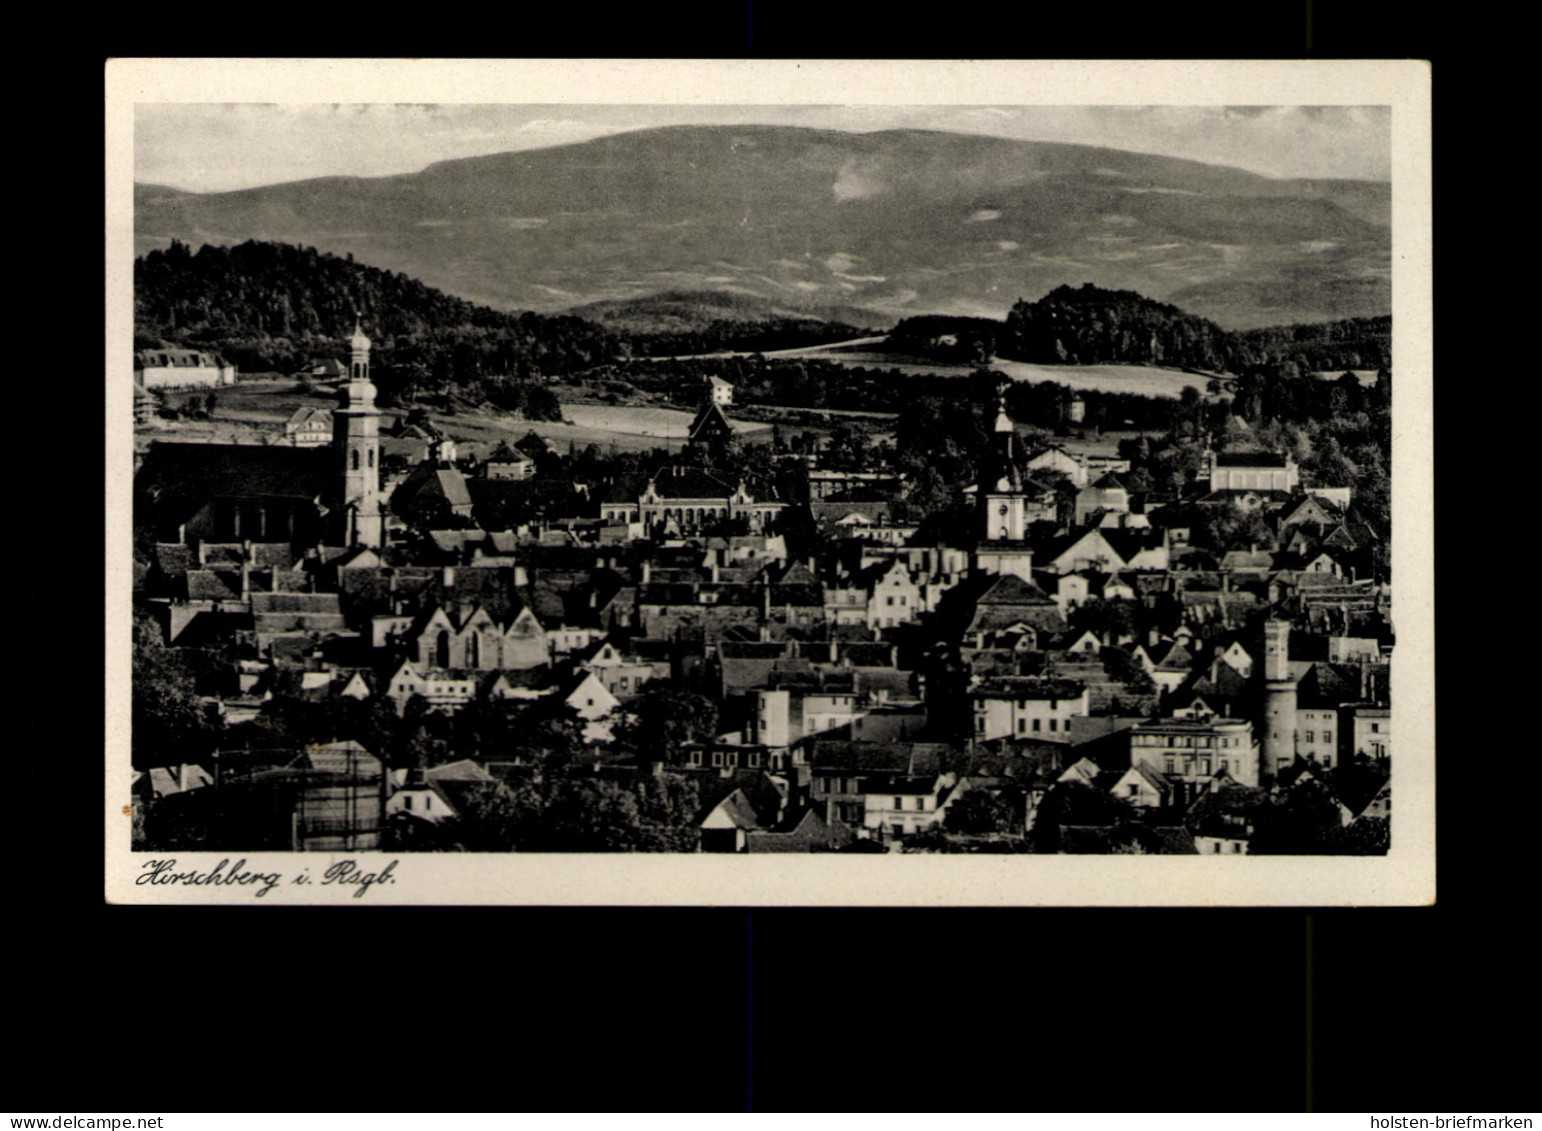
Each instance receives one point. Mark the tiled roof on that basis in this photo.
(250, 471)
(1249, 459)
(689, 483)
(1027, 687)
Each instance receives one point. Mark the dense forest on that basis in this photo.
(1349, 343)
(1088, 325)
(270, 307)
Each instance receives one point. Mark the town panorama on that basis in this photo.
(414, 575)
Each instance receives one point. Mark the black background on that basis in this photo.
(146, 1009)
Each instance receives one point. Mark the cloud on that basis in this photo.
(850, 184)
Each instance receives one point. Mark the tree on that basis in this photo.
(1305, 823)
(979, 811)
(170, 724)
(1077, 803)
(663, 718)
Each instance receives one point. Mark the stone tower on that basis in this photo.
(1278, 748)
(356, 441)
(1003, 504)
(1005, 512)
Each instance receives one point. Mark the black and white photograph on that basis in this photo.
(697, 482)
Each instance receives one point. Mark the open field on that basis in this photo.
(1149, 380)
(1364, 376)
(643, 421)
(253, 411)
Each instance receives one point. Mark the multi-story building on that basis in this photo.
(1026, 707)
(1197, 749)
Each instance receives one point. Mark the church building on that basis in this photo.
(274, 493)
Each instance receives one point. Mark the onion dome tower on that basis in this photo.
(356, 442)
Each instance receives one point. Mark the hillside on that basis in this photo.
(896, 222)
(272, 307)
(692, 322)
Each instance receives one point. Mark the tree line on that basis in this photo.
(1090, 325)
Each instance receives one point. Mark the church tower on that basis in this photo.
(1003, 504)
(356, 442)
(1278, 749)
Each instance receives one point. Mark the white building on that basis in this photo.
(1027, 707)
(182, 369)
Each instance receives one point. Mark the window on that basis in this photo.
(1217, 846)
(1375, 728)
(355, 454)
(1169, 767)
(428, 802)
(717, 757)
(1236, 846)
(1327, 736)
(920, 804)
(407, 803)
(899, 802)
(1307, 737)
(1022, 725)
(889, 601)
(1036, 725)
(1053, 723)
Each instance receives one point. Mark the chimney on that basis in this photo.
(250, 550)
(246, 580)
(203, 552)
(716, 572)
(647, 572)
(447, 577)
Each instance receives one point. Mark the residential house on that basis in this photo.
(309, 427)
(1026, 706)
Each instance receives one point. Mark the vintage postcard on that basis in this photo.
(769, 483)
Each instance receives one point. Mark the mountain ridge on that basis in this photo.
(894, 221)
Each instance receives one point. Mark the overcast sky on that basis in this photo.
(217, 147)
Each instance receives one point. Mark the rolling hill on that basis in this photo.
(893, 222)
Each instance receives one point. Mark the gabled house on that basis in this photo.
(1143, 786)
(472, 638)
(445, 689)
(901, 805)
(309, 427)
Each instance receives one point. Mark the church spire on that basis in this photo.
(1003, 421)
